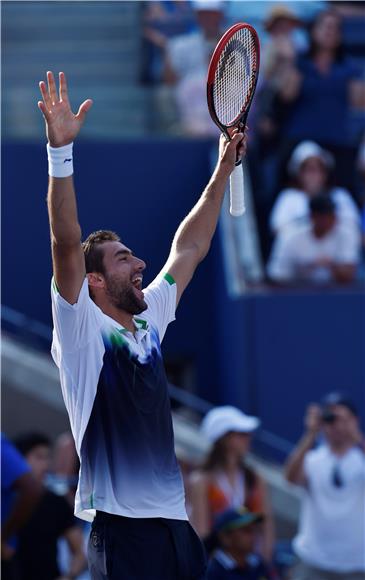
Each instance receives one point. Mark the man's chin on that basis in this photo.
(142, 306)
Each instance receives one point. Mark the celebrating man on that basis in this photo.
(106, 343)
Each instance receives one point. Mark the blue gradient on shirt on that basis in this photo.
(129, 437)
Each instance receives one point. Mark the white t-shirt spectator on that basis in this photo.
(292, 205)
(296, 252)
(332, 523)
(189, 56)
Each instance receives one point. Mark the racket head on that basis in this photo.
(232, 76)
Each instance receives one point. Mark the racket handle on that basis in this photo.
(237, 192)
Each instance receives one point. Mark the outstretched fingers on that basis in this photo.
(63, 94)
(83, 109)
(52, 87)
(45, 95)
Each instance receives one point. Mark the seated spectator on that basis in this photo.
(20, 494)
(321, 252)
(225, 481)
(310, 168)
(186, 66)
(52, 519)
(331, 538)
(235, 531)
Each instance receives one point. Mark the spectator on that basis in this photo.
(53, 518)
(310, 168)
(323, 86)
(235, 531)
(186, 65)
(321, 252)
(20, 493)
(225, 481)
(279, 53)
(331, 538)
(65, 467)
(161, 21)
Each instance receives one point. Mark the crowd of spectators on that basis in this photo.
(227, 501)
(41, 538)
(311, 87)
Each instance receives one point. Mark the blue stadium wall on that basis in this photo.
(269, 353)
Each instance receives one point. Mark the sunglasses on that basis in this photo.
(336, 477)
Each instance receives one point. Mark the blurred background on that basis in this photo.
(273, 329)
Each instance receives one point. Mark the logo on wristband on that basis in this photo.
(67, 160)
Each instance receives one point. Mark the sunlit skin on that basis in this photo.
(326, 32)
(312, 176)
(340, 433)
(236, 445)
(119, 290)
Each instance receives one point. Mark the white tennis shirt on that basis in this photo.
(115, 391)
(332, 523)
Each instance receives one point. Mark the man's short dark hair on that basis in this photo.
(93, 252)
(338, 398)
(28, 441)
(322, 204)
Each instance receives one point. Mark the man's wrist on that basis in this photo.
(60, 160)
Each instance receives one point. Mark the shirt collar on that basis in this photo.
(141, 326)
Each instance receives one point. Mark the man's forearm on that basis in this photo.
(62, 211)
(198, 228)
(294, 466)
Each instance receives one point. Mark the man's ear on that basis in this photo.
(95, 280)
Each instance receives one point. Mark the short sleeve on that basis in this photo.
(280, 266)
(349, 245)
(74, 324)
(160, 296)
(291, 205)
(13, 464)
(307, 461)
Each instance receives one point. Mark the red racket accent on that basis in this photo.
(231, 83)
(232, 76)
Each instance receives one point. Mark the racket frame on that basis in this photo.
(240, 120)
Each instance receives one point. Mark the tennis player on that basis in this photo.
(106, 343)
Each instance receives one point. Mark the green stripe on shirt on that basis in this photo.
(169, 279)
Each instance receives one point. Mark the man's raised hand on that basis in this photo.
(62, 125)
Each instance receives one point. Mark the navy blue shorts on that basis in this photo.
(144, 549)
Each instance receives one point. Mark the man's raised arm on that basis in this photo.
(62, 127)
(194, 235)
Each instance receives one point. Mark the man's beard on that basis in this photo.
(122, 296)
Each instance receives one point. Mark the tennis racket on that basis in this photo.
(231, 84)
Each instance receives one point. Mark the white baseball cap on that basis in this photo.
(305, 150)
(215, 5)
(222, 420)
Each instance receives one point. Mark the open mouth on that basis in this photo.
(137, 285)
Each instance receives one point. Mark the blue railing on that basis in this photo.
(39, 335)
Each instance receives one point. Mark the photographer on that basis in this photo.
(331, 538)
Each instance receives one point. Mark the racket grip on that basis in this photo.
(237, 195)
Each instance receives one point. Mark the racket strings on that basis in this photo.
(235, 76)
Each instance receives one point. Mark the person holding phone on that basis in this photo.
(331, 538)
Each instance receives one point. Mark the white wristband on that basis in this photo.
(60, 160)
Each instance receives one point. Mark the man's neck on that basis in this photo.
(125, 319)
(341, 448)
